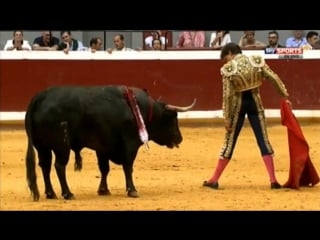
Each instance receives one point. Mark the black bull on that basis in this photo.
(100, 118)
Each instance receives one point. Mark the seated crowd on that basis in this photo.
(157, 40)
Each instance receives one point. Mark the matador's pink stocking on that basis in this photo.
(268, 161)
(222, 163)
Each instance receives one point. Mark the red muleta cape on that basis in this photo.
(302, 171)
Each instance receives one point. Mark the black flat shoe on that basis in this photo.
(275, 185)
(213, 185)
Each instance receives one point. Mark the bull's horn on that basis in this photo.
(181, 109)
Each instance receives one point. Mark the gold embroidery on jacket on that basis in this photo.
(256, 61)
(243, 75)
(276, 81)
(229, 69)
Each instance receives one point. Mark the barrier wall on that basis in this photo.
(176, 77)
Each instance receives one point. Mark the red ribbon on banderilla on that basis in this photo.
(143, 133)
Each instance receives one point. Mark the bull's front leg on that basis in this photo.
(104, 167)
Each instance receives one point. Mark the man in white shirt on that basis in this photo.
(17, 43)
(119, 44)
(95, 44)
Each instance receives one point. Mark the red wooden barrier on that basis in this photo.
(176, 81)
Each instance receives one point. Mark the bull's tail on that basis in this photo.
(30, 156)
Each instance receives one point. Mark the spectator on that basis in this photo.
(273, 39)
(312, 39)
(297, 40)
(46, 42)
(219, 38)
(248, 41)
(157, 45)
(119, 44)
(17, 43)
(317, 45)
(158, 34)
(191, 39)
(95, 44)
(69, 43)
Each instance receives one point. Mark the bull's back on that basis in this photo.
(71, 101)
(82, 112)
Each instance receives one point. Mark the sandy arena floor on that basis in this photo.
(169, 179)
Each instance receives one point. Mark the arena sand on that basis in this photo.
(169, 179)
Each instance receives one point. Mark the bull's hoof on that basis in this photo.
(213, 185)
(77, 166)
(103, 192)
(51, 195)
(275, 185)
(68, 196)
(133, 194)
(36, 196)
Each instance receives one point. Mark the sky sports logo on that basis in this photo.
(285, 53)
